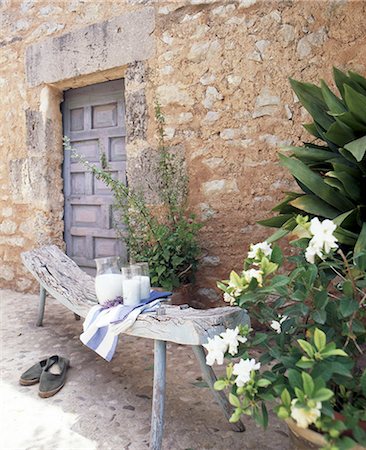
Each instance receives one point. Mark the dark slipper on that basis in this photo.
(33, 374)
(53, 376)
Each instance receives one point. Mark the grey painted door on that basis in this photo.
(94, 120)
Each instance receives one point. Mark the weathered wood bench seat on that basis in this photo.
(65, 281)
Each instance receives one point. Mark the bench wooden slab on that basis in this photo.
(58, 275)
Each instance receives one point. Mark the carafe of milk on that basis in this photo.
(108, 281)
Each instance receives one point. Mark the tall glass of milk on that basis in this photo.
(108, 281)
(144, 280)
(131, 285)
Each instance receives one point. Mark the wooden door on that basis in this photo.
(94, 120)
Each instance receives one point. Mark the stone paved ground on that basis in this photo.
(105, 405)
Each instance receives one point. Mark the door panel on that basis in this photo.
(94, 121)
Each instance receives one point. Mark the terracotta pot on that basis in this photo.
(306, 439)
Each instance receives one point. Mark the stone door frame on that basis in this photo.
(119, 48)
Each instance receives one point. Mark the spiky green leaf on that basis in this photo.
(349, 183)
(312, 129)
(316, 184)
(310, 153)
(360, 249)
(342, 81)
(314, 205)
(357, 148)
(279, 234)
(359, 79)
(336, 184)
(340, 134)
(351, 120)
(275, 222)
(356, 102)
(284, 207)
(334, 103)
(345, 166)
(345, 236)
(311, 98)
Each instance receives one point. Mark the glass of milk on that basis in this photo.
(144, 280)
(131, 285)
(108, 281)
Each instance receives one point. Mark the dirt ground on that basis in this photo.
(103, 405)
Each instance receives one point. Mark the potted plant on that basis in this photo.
(312, 358)
(313, 355)
(163, 234)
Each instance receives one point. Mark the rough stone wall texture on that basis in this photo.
(220, 70)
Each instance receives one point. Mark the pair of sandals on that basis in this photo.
(50, 373)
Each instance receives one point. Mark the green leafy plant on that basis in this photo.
(312, 357)
(163, 234)
(314, 348)
(331, 169)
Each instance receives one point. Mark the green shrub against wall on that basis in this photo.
(330, 169)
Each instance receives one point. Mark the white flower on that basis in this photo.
(276, 325)
(326, 228)
(311, 251)
(229, 298)
(323, 234)
(232, 338)
(243, 370)
(216, 348)
(259, 250)
(253, 273)
(323, 239)
(304, 416)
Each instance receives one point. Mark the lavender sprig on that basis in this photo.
(111, 303)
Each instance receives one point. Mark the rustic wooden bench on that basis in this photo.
(58, 275)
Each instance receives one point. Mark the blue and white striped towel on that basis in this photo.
(102, 325)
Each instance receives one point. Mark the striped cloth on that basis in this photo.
(102, 325)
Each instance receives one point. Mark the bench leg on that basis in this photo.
(158, 403)
(42, 302)
(210, 378)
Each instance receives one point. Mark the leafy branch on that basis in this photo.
(168, 240)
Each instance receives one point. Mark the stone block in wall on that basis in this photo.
(34, 129)
(28, 179)
(136, 115)
(39, 133)
(135, 73)
(101, 46)
(6, 272)
(141, 172)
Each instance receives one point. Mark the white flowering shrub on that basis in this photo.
(312, 356)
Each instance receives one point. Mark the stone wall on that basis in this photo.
(220, 70)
